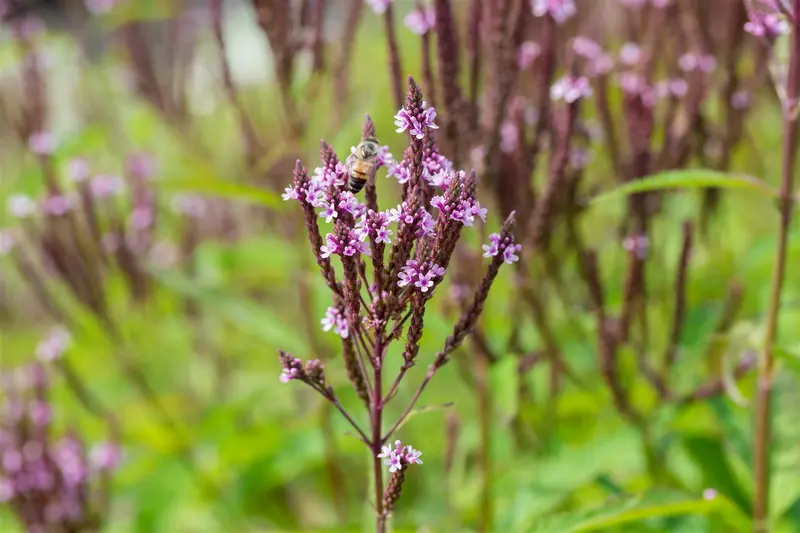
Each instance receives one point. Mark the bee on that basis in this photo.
(362, 164)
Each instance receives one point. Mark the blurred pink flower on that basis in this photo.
(379, 6)
(560, 10)
(421, 20)
(527, 53)
(571, 89)
(42, 143)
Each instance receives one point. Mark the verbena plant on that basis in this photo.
(382, 292)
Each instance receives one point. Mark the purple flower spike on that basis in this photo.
(503, 247)
(415, 123)
(399, 457)
(375, 225)
(336, 320)
(419, 275)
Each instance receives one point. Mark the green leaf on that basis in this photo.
(504, 379)
(425, 409)
(710, 455)
(626, 511)
(789, 357)
(204, 184)
(245, 315)
(689, 179)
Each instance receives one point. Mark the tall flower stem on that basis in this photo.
(766, 365)
(376, 417)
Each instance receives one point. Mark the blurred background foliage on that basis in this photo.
(251, 454)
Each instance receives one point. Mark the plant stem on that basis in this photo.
(376, 413)
(484, 421)
(761, 448)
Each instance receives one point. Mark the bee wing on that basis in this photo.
(351, 159)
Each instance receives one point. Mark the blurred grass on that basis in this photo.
(262, 444)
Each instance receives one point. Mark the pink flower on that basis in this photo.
(527, 53)
(571, 89)
(77, 169)
(587, 48)
(379, 6)
(399, 457)
(104, 186)
(637, 245)
(56, 205)
(506, 248)
(7, 242)
(105, 456)
(98, 7)
(420, 275)
(690, 62)
(509, 137)
(42, 143)
(560, 10)
(631, 54)
(336, 320)
(415, 124)
(21, 205)
(54, 345)
(421, 20)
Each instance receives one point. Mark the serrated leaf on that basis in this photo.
(689, 179)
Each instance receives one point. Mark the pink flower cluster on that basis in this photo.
(379, 6)
(400, 456)
(768, 24)
(421, 220)
(436, 169)
(375, 225)
(336, 320)
(560, 10)
(415, 123)
(421, 20)
(420, 275)
(571, 89)
(502, 247)
(463, 209)
(349, 246)
(54, 345)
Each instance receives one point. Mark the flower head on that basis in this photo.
(416, 123)
(42, 143)
(421, 20)
(571, 89)
(379, 6)
(21, 205)
(54, 345)
(419, 275)
(527, 53)
(560, 10)
(400, 456)
(336, 320)
(505, 248)
(766, 21)
(376, 226)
